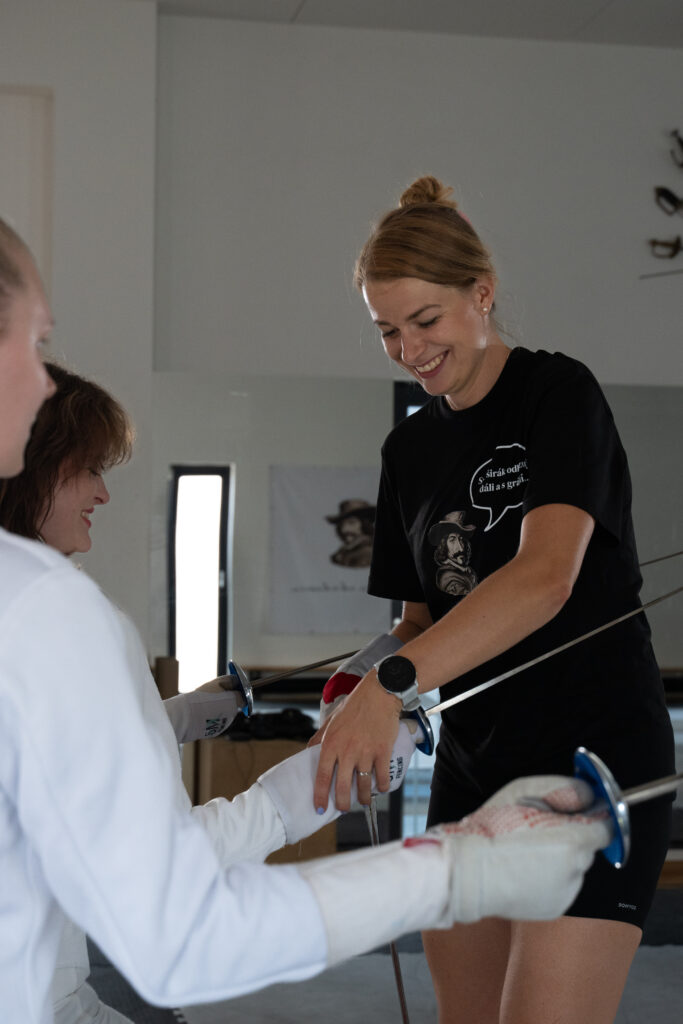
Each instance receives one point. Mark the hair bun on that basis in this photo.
(427, 190)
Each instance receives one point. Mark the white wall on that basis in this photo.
(99, 60)
(279, 144)
(650, 422)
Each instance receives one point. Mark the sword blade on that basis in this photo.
(460, 697)
(661, 558)
(302, 668)
(650, 790)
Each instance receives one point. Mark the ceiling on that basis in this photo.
(627, 22)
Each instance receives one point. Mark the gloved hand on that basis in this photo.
(351, 671)
(505, 860)
(521, 862)
(204, 712)
(290, 784)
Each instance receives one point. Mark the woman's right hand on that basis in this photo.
(358, 737)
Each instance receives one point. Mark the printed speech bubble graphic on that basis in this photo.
(498, 484)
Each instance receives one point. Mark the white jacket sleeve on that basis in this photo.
(246, 828)
(98, 820)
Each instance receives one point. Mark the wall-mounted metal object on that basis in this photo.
(667, 200)
(677, 154)
(666, 249)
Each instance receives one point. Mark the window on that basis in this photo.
(199, 572)
(408, 398)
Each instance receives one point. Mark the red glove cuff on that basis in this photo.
(339, 683)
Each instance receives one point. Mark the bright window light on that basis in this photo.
(197, 568)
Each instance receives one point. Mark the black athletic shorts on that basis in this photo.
(608, 893)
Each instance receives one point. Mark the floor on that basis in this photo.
(363, 991)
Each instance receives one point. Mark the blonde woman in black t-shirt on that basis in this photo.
(517, 459)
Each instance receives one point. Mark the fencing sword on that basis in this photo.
(609, 796)
(371, 819)
(460, 697)
(237, 678)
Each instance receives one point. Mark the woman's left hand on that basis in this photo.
(358, 737)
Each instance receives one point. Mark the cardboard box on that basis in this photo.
(227, 767)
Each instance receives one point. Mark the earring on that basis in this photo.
(484, 310)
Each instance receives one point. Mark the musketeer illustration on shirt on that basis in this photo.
(452, 555)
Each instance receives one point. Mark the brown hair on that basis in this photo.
(11, 278)
(80, 427)
(424, 237)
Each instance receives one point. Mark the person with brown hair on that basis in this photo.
(78, 435)
(520, 450)
(93, 824)
(80, 432)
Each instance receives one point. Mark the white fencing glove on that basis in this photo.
(278, 809)
(523, 862)
(290, 784)
(351, 671)
(505, 860)
(204, 712)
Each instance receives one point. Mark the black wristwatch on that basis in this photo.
(397, 676)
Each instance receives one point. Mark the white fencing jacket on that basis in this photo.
(92, 819)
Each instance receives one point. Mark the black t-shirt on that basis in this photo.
(455, 487)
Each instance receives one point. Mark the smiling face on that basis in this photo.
(24, 381)
(441, 336)
(67, 525)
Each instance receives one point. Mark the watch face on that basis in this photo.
(396, 674)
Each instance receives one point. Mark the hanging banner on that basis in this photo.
(321, 531)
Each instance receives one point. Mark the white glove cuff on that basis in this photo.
(201, 715)
(381, 646)
(468, 858)
(289, 785)
(371, 896)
